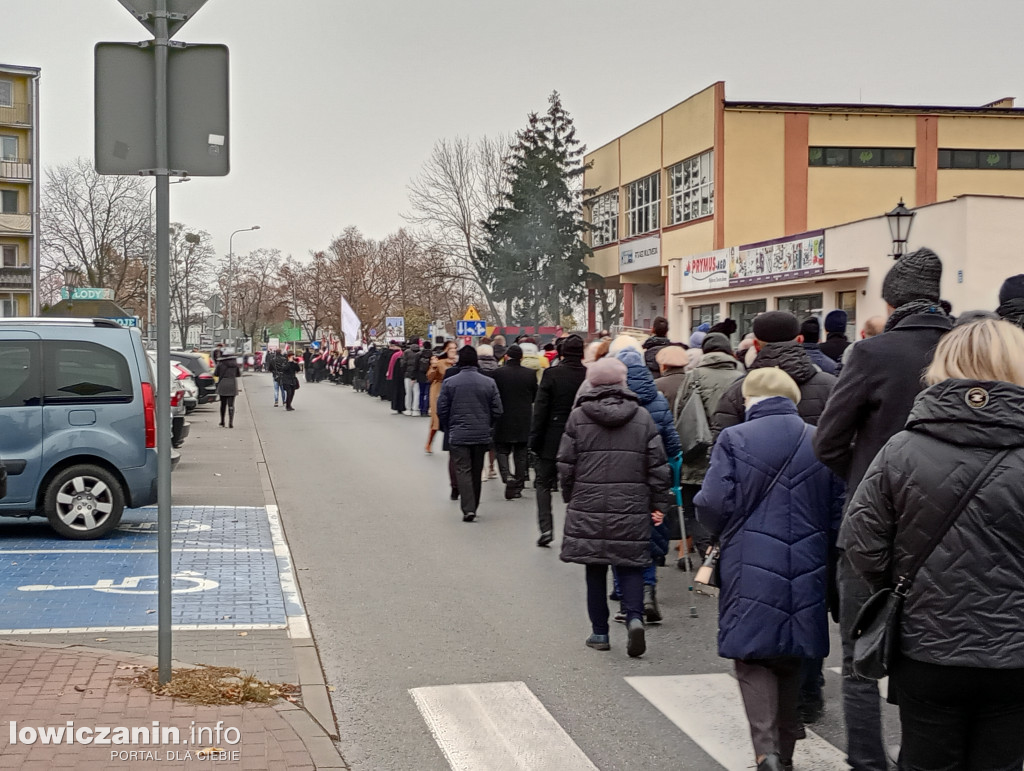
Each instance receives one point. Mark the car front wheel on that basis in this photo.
(84, 502)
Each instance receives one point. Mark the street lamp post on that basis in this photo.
(149, 265)
(900, 219)
(231, 269)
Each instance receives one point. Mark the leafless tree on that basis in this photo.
(192, 276)
(458, 187)
(256, 289)
(98, 225)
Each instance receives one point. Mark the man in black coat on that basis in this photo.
(871, 402)
(810, 331)
(468, 408)
(835, 335)
(517, 387)
(555, 399)
(654, 343)
(778, 342)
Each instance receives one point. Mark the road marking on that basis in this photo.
(133, 551)
(130, 585)
(151, 628)
(883, 684)
(709, 709)
(497, 726)
(298, 622)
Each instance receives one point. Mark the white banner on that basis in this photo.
(351, 326)
(701, 272)
(640, 254)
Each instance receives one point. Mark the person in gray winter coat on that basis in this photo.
(227, 372)
(616, 481)
(959, 673)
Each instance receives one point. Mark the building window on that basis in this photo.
(691, 189)
(802, 306)
(981, 159)
(6, 93)
(8, 306)
(9, 254)
(847, 301)
(8, 148)
(744, 313)
(703, 314)
(644, 199)
(861, 156)
(604, 219)
(8, 201)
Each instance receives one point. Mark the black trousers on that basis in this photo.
(547, 481)
(631, 587)
(518, 452)
(960, 718)
(289, 394)
(227, 404)
(770, 689)
(469, 469)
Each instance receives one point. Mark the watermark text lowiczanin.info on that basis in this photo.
(152, 735)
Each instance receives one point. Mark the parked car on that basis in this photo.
(77, 423)
(196, 364)
(179, 426)
(188, 382)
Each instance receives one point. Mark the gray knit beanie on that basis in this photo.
(915, 276)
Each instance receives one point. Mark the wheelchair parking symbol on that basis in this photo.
(185, 582)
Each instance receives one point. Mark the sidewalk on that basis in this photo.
(47, 678)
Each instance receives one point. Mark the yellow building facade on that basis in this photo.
(19, 189)
(718, 208)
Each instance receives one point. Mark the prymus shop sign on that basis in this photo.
(780, 260)
(640, 254)
(702, 272)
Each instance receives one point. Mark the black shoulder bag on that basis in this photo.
(876, 630)
(708, 573)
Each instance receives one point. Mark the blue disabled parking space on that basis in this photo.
(228, 564)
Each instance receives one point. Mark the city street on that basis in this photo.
(465, 641)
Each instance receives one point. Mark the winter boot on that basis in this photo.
(636, 644)
(651, 612)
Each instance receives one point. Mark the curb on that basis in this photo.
(314, 721)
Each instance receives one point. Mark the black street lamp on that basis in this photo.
(900, 220)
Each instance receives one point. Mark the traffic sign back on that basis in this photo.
(144, 11)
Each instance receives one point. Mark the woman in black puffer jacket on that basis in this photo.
(616, 481)
(960, 679)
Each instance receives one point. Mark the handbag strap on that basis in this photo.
(904, 581)
(796, 448)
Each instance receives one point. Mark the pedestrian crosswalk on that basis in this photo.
(498, 726)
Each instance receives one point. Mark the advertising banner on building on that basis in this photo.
(640, 254)
(780, 260)
(710, 270)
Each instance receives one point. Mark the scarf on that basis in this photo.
(1013, 311)
(911, 308)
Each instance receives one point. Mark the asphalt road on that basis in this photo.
(402, 594)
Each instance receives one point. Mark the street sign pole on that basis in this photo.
(163, 349)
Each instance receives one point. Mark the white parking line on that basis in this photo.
(497, 726)
(709, 709)
(298, 623)
(131, 551)
(175, 627)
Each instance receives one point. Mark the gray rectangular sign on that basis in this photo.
(197, 108)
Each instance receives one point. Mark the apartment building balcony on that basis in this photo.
(16, 279)
(16, 169)
(16, 224)
(17, 114)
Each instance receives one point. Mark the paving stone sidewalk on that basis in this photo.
(45, 686)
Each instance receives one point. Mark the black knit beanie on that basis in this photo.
(811, 330)
(1012, 289)
(914, 276)
(572, 348)
(776, 327)
(468, 356)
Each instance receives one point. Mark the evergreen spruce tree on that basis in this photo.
(534, 255)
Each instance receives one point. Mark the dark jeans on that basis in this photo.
(631, 582)
(469, 469)
(862, 706)
(770, 688)
(811, 682)
(547, 480)
(227, 404)
(518, 452)
(960, 718)
(424, 398)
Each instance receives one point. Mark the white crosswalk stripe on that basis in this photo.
(709, 709)
(497, 727)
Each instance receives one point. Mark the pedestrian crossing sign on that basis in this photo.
(471, 314)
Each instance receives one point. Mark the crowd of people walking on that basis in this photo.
(813, 476)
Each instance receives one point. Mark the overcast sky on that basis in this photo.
(335, 104)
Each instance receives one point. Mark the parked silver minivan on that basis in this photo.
(77, 423)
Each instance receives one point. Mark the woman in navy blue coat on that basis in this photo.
(775, 510)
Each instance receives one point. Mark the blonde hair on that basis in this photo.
(981, 350)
